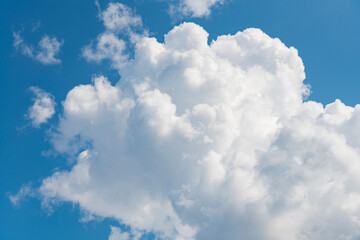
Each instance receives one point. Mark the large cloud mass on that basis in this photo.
(200, 141)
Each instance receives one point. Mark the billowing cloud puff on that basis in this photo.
(211, 141)
(46, 51)
(43, 108)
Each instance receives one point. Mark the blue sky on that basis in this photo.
(326, 34)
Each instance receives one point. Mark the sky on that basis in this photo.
(179, 119)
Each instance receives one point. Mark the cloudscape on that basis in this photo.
(185, 134)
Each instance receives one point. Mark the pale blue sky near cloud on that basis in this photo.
(326, 33)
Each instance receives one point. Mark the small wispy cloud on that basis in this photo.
(43, 108)
(46, 52)
(192, 8)
(24, 192)
(36, 26)
(108, 46)
(118, 19)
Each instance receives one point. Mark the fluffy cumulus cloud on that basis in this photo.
(210, 141)
(193, 8)
(43, 107)
(46, 52)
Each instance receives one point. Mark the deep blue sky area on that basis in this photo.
(326, 33)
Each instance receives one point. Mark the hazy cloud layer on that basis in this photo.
(200, 141)
(45, 52)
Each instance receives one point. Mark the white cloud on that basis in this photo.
(46, 51)
(21, 46)
(43, 108)
(49, 48)
(214, 141)
(24, 192)
(193, 8)
(108, 46)
(117, 234)
(117, 19)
